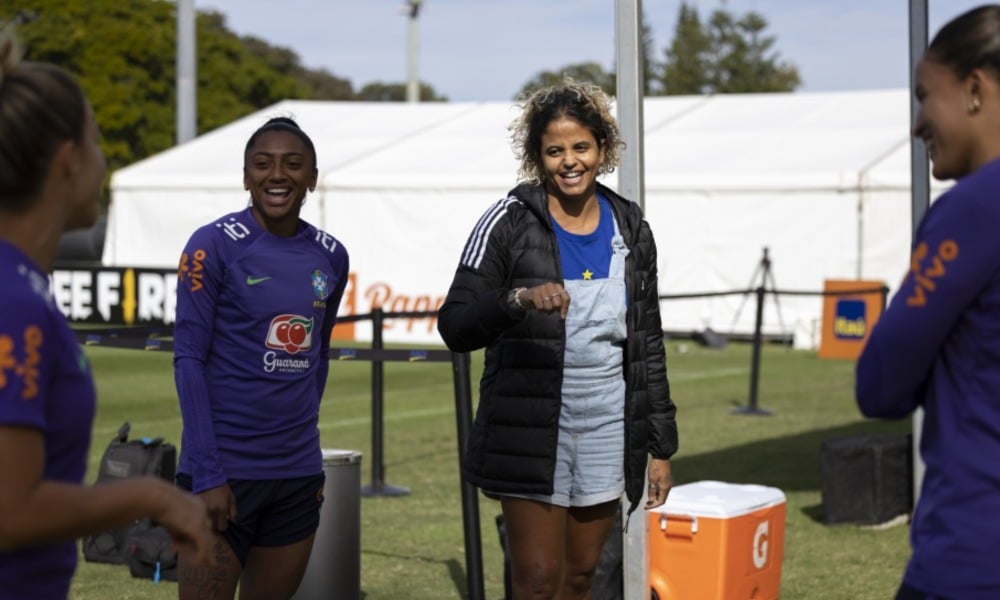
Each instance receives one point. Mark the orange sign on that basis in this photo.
(348, 306)
(848, 317)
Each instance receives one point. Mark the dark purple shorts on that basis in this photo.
(271, 512)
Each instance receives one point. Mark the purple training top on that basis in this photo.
(252, 339)
(45, 384)
(938, 347)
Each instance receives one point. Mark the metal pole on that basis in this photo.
(378, 378)
(470, 499)
(187, 88)
(920, 192)
(413, 49)
(758, 339)
(628, 58)
(378, 486)
(755, 357)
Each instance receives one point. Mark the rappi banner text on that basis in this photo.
(142, 296)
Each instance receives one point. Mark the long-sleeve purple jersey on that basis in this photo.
(252, 338)
(938, 346)
(45, 384)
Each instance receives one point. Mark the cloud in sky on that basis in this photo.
(487, 49)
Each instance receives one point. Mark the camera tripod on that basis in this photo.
(763, 278)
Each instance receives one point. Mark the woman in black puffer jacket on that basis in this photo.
(558, 282)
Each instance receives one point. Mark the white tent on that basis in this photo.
(821, 179)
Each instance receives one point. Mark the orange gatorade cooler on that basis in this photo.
(717, 541)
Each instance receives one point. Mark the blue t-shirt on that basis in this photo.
(251, 348)
(587, 256)
(938, 346)
(45, 384)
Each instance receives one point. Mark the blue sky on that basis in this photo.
(487, 49)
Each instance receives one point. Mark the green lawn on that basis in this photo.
(412, 546)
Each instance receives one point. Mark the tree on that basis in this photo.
(650, 68)
(123, 53)
(725, 55)
(685, 70)
(378, 91)
(741, 56)
(590, 71)
(321, 84)
(234, 81)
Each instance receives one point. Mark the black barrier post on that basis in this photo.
(378, 487)
(751, 408)
(470, 499)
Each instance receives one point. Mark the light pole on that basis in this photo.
(628, 61)
(187, 81)
(412, 9)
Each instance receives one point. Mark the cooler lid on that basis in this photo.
(717, 499)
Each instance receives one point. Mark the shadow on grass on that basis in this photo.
(789, 463)
(456, 570)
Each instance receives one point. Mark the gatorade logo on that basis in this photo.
(760, 545)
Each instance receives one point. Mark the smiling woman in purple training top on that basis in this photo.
(257, 298)
(938, 344)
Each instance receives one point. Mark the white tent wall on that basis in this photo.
(157, 203)
(714, 243)
(402, 185)
(404, 246)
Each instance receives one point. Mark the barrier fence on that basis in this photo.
(757, 339)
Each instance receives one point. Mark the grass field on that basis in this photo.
(412, 545)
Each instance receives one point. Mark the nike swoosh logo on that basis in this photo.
(255, 280)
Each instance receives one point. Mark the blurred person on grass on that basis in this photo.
(51, 171)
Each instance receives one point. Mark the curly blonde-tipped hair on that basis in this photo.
(584, 102)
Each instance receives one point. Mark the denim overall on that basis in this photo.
(590, 457)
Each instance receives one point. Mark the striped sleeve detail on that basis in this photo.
(475, 248)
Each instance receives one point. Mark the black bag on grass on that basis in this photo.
(123, 459)
(150, 556)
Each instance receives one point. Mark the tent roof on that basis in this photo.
(825, 140)
(341, 131)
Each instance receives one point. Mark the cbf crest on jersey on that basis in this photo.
(320, 284)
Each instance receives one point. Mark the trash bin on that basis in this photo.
(334, 569)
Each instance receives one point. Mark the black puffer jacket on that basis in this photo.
(512, 446)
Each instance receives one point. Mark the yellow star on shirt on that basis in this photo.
(587, 274)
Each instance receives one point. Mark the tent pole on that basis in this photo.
(919, 190)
